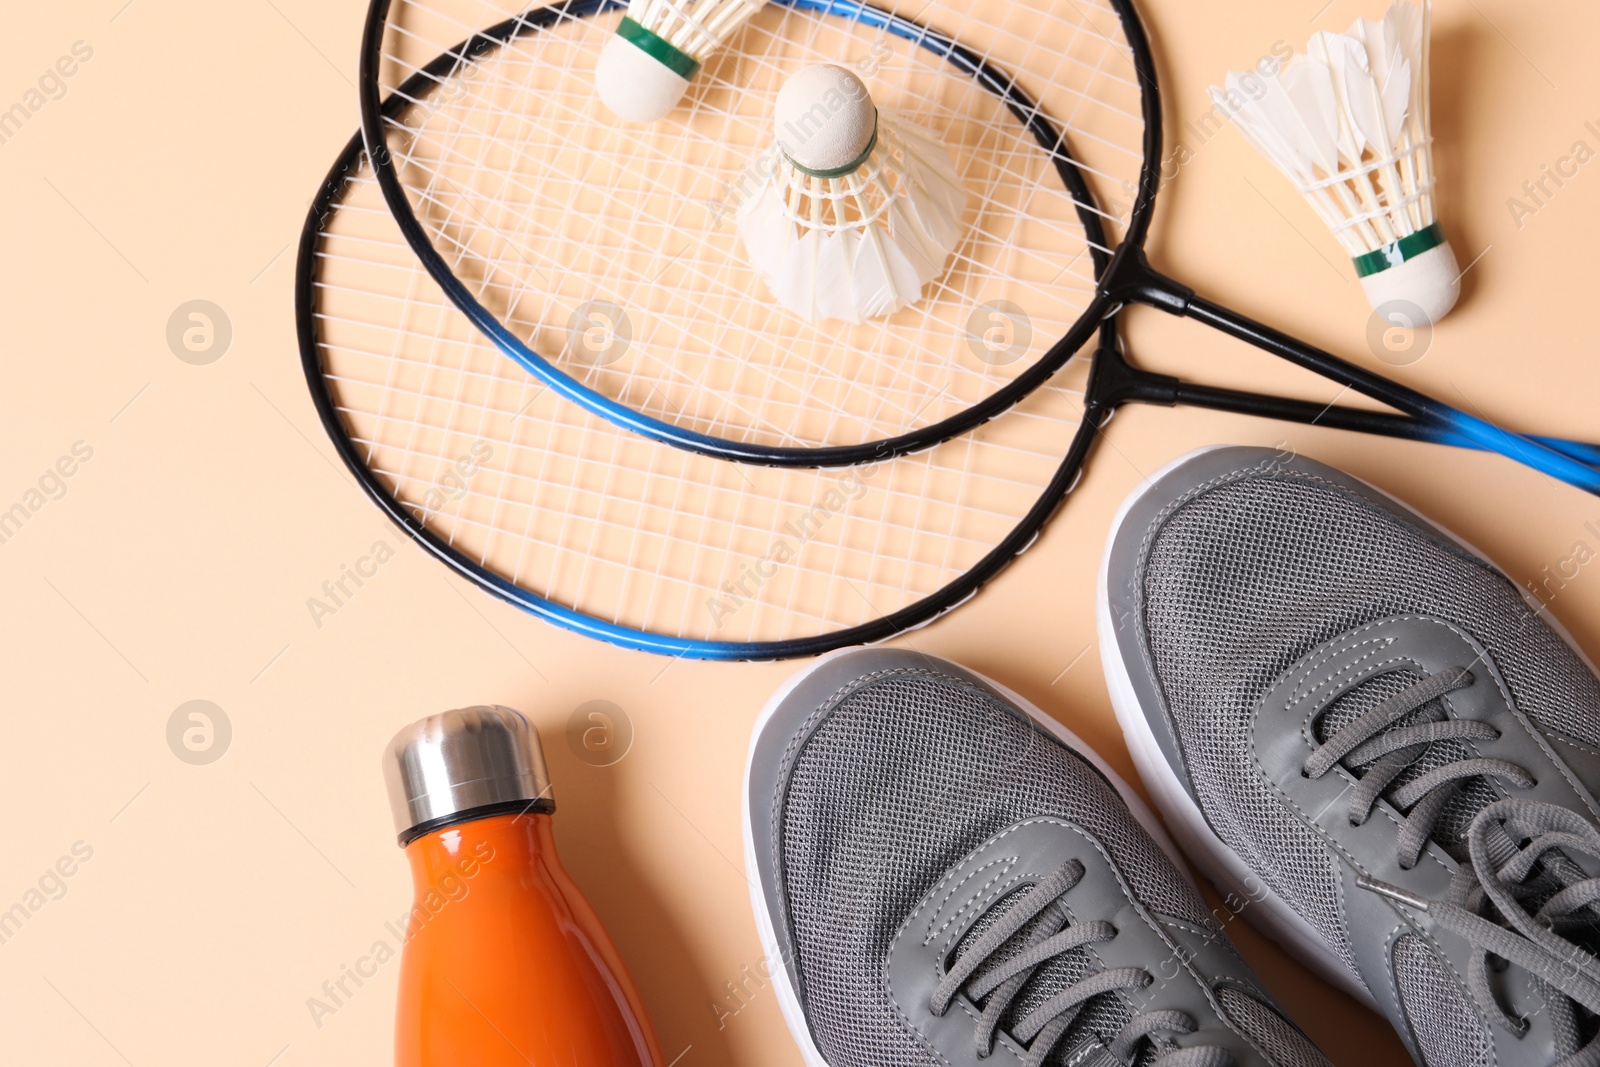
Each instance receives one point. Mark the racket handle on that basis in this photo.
(1357, 420)
(1116, 382)
(1453, 425)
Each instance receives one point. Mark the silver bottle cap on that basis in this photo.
(472, 761)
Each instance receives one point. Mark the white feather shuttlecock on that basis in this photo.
(1348, 123)
(856, 210)
(659, 46)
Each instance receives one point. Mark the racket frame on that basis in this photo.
(375, 110)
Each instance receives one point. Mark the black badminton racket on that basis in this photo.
(528, 203)
(632, 541)
(597, 529)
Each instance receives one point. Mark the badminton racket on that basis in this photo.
(632, 541)
(524, 199)
(596, 529)
(532, 206)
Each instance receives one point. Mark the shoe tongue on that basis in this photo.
(1100, 1020)
(1471, 796)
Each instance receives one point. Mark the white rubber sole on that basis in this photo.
(788, 999)
(1271, 914)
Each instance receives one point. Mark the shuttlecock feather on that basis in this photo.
(856, 211)
(659, 46)
(1348, 123)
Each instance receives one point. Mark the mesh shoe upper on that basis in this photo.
(883, 787)
(1239, 567)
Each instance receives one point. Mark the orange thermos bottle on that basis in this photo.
(504, 961)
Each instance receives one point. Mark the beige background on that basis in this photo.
(178, 563)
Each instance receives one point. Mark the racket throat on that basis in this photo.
(1130, 279)
(1113, 381)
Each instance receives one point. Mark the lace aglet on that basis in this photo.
(1393, 892)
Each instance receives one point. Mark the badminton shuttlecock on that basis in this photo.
(856, 210)
(1348, 123)
(659, 47)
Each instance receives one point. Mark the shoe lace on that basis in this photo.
(982, 971)
(1376, 742)
(1519, 895)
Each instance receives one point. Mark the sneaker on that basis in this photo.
(1330, 696)
(944, 877)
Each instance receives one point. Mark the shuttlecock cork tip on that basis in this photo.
(1417, 290)
(639, 78)
(826, 122)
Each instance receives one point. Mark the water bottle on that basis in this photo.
(505, 964)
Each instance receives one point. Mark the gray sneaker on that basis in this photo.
(1327, 694)
(943, 876)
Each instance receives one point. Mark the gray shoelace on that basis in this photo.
(1517, 851)
(983, 972)
(1383, 750)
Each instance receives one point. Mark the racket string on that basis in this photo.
(766, 401)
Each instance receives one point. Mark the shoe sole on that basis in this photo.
(788, 998)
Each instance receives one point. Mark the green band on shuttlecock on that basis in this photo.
(1392, 255)
(849, 168)
(659, 49)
